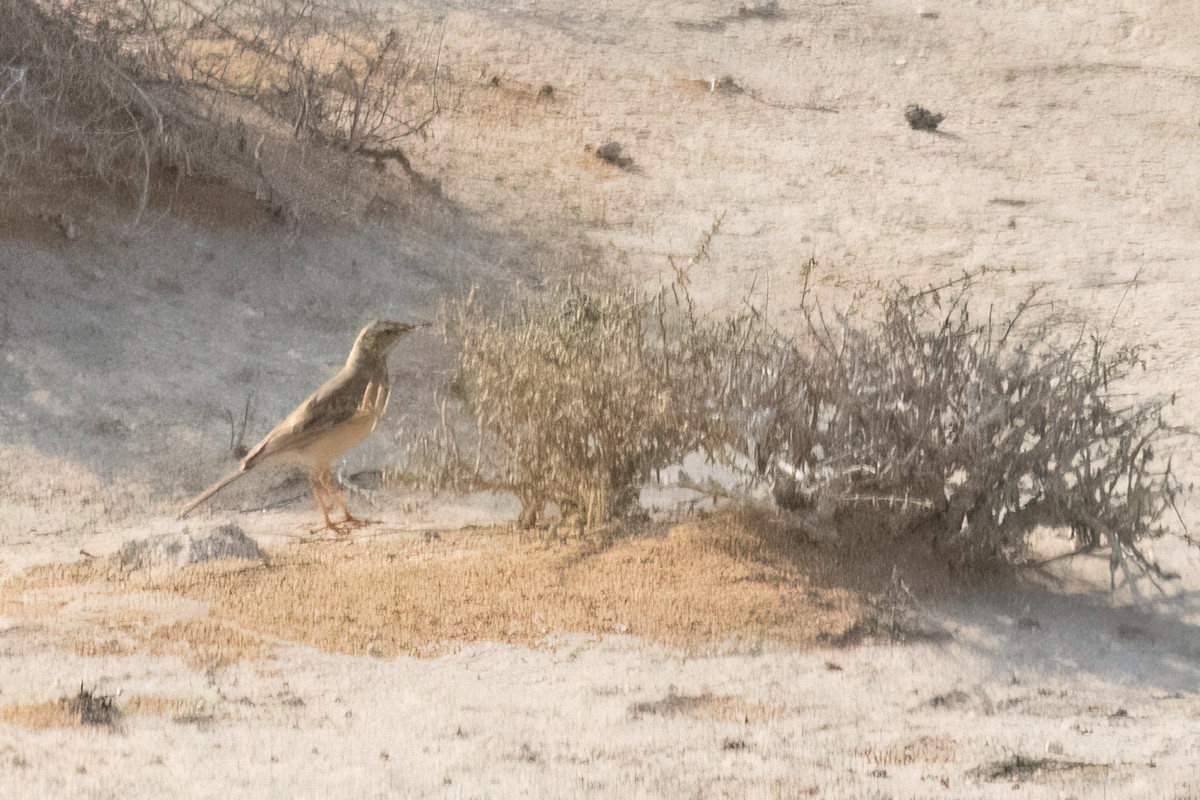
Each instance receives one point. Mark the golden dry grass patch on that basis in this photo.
(40, 716)
(699, 583)
(734, 576)
(66, 713)
(44, 590)
(205, 644)
(95, 612)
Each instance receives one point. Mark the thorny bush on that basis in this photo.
(974, 431)
(987, 429)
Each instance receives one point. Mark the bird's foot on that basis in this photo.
(353, 523)
(330, 527)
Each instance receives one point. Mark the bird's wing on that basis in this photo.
(337, 402)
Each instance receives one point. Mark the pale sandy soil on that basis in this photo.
(1068, 154)
(1108, 696)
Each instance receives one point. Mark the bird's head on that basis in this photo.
(379, 337)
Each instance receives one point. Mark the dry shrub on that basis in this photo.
(72, 98)
(985, 428)
(908, 414)
(139, 93)
(344, 74)
(704, 582)
(576, 404)
(578, 400)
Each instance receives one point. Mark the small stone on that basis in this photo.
(613, 153)
(921, 119)
(174, 550)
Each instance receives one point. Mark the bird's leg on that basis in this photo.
(319, 489)
(339, 500)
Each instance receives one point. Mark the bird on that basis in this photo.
(332, 420)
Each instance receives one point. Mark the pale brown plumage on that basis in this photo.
(332, 420)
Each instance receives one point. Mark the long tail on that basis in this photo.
(209, 492)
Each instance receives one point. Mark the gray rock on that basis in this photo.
(768, 10)
(174, 550)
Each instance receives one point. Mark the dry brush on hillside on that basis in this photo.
(141, 95)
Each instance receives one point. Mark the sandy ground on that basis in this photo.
(1108, 698)
(1068, 154)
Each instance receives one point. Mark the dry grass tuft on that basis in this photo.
(179, 710)
(99, 711)
(102, 646)
(720, 708)
(1017, 767)
(923, 749)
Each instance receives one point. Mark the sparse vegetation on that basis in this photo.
(704, 706)
(732, 576)
(88, 708)
(343, 75)
(613, 153)
(911, 414)
(767, 10)
(145, 94)
(72, 98)
(922, 119)
(576, 404)
(1017, 767)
